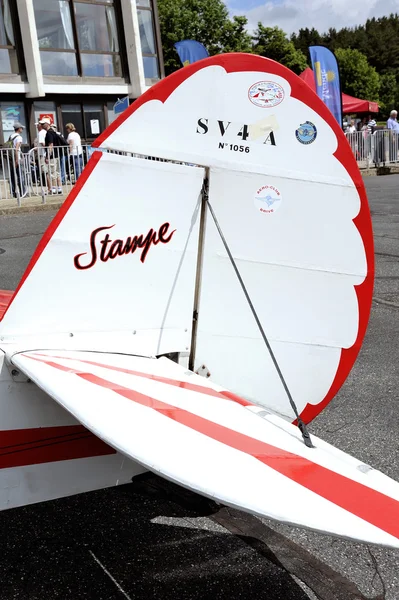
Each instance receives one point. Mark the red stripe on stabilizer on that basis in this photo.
(5, 299)
(181, 384)
(23, 447)
(55, 223)
(364, 502)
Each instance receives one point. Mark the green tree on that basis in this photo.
(206, 21)
(273, 43)
(381, 43)
(305, 38)
(387, 93)
(358, 78)
(378, 40)
(235, 37)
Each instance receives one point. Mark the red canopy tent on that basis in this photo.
(349, 103)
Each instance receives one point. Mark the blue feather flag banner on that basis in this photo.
(326, 74)
(190, 51)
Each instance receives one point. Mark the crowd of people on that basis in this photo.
(365, 146)
(54, 160)
(369, 125)
(57, 158)
(366, 124)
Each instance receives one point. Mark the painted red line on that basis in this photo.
(5, 299)
(364, 502)
(23, 447)
(181, 384)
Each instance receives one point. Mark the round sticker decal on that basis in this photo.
(267, 199)
(266, 94)
(306, 133)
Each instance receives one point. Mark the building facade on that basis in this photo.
(71, 60)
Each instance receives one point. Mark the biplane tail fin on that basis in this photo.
(117, 269)
(119, 256)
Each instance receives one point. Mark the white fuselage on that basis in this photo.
(44, 451)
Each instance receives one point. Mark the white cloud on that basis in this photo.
(291, 15)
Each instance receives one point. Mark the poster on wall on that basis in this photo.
(8, 124)
(47, 116)
(10, 114)
(95, 126)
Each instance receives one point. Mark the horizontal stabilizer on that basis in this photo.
(191, 431)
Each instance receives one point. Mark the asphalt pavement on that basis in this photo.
(151, 540)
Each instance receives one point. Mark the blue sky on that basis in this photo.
(244, 4)
(290, 15)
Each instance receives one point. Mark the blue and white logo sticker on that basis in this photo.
(306, 133)
(267, 199)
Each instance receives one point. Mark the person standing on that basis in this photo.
(17, 174)
(61, 152)
(351, 127)
(371, 125)
(51, 160)
(392, 122)
(369, 139)
(75, 148)
(362, 124)
(393, 126)
(353, 138)
(43, 167)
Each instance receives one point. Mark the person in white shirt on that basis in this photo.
(75, 148)
(41, 142)
(17, 171)
(351, 127)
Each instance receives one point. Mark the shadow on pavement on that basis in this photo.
(46, 551)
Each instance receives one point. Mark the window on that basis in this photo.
(8, 54)
(78, 37)
(89, 119)
(72, 113)
(148, 39)
(98, 40)
(56, 39)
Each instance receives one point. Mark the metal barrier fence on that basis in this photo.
(374, 149)
(361, 144)
(43, 172)
(386, 147)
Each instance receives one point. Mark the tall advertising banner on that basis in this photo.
(326, 74)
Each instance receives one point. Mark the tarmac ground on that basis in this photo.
(154, 540)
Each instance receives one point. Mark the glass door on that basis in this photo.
(72, 113)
